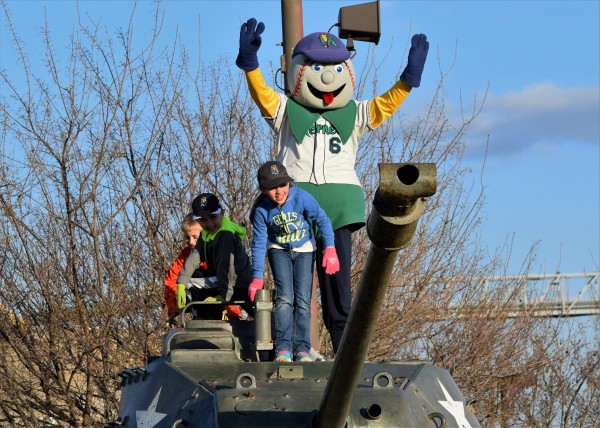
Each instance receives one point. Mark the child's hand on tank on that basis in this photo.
(255, 285)
(180, 296)
(173, 323)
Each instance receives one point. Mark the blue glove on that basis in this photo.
(416, 60)
(249, 43)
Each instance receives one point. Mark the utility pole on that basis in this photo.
(292, 29)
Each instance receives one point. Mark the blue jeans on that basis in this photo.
(293, 273)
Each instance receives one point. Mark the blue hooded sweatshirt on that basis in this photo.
(288, 226)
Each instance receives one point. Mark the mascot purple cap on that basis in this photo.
(322, 47)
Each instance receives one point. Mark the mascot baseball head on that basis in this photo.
(321, 74)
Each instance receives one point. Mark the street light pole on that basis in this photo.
(292, 29)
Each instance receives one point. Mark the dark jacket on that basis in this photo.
(222, 255)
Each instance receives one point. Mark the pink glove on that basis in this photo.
(330, 261)
(255, 285)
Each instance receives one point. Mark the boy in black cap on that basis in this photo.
(219, 252)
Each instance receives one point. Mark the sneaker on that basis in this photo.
(283, 357)
(303, 357)
(316, 356)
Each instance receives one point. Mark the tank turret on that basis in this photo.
(210, 372)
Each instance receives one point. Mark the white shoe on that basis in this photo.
(316, 356)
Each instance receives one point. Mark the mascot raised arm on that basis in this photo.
(318, 127)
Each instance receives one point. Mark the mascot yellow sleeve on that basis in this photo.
(264, 96)
(386, 104)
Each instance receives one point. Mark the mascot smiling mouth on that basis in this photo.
(327, 97)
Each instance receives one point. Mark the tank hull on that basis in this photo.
(187, 389)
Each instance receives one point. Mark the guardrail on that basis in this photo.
(544, 295)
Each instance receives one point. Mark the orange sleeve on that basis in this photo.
(171, 279)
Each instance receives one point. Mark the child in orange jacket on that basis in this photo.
(191, 229)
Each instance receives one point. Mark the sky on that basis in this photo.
(536, 62)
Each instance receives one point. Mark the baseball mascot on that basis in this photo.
(318, 126)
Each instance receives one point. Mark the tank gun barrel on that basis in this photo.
(397, 206)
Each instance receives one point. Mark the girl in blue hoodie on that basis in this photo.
(281, 219)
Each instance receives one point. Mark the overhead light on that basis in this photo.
(359, 22)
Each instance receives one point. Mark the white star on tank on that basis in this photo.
(455, 408)
(149, 418)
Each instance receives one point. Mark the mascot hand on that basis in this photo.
(416, 60)
(249, 43)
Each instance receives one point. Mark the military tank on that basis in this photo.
(211, 373)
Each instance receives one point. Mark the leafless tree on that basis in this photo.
(102, 154)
